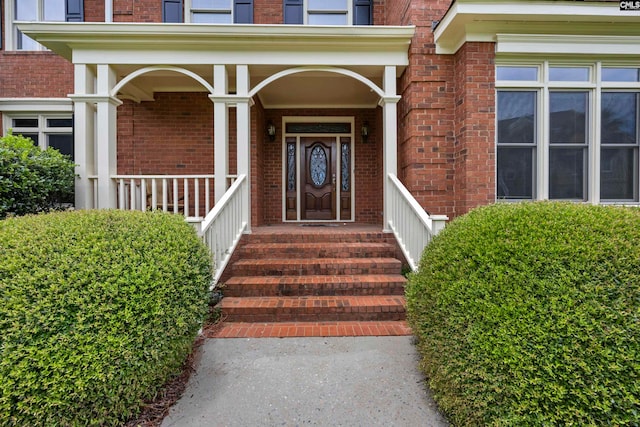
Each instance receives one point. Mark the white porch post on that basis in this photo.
(390, 136)
(220, 130)
(84, 136)
(243, 120)
(106, 158)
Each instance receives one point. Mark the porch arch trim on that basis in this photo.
(334, 70)
(153, 68)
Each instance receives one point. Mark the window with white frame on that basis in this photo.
(18, 11)
(568, 132)
(328, 12)
(45, 130)
(219, 11)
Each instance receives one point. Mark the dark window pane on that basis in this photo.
(517, 73)
(621, 74)
(62, 143)
(569, 74)
(516, 119)
(32, 136)
(515, 173)
(59, 123)
(617, 173)
(25, 123)
(566, 173)
(568, 117)
(619, 118)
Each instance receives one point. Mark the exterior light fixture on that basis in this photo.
(271, 131)
(364, 132)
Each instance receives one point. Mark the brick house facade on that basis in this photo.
(438, 84)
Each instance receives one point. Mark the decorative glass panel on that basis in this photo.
(516, 120)
(566, 173)
(569, 74)
(568, 111)
(291, 167)
(621, 74)
(318, 165)
(515, 173)
(617, 173)
(346, 167)
(517, 73)
(318, 127)
(619, 117)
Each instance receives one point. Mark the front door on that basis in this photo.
(318, 172)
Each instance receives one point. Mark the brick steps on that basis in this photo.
(309, 281)
(314, 285)
(315, 265)
(318, 249)
(318, 309)
(311, 329)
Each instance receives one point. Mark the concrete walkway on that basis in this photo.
(345, 381)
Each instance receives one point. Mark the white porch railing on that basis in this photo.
(223, 226)
(411, 225)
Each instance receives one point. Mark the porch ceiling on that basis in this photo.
(266, 49)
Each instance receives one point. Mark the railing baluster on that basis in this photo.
(165, 196)
(196, 192)
(121, 195)
(186, 198)
(154, 194)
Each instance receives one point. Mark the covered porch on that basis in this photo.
(238, 125)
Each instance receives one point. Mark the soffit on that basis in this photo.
(473, 20)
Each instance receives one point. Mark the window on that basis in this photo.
(54, 130)
(35, 11)
(219, 11)
(568, 132)
(172, 11)
(328, 12)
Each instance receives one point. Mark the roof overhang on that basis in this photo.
(484, 20)
(266, 49)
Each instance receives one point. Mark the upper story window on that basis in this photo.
(568, 132)
(210, 11)
(38, 11)
(328, 12)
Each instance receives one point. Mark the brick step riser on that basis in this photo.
(313, 317)
(312, 270)
(294, 252)
(322, 238)
(275, 290)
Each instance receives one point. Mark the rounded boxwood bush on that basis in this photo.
(529, 314)
(33, 180)
(98, 309)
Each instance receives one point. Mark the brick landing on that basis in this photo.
(293, 281)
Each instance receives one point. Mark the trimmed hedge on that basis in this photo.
(98, 310)
(529, 314)
(32, 180)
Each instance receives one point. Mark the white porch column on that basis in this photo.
(243, 120)
(220, 130)
(84, 136)
(106, 159)
(390, 135)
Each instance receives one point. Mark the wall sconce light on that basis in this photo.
(271, 131)
(364, 132)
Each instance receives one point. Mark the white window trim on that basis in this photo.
(42, 129)
(306, 12)
(189, 10)
(11, 30)
(594, 87)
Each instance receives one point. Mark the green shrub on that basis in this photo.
(32, 180)
(98, 309)
(529, 314)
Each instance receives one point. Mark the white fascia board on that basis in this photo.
(567, 45)
(67, 39)
(473, 20)
(62, 105)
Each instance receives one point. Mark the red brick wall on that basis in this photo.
(137, 11)
(34, 74)
(94, 11)
(474, 152)
(271, 11)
